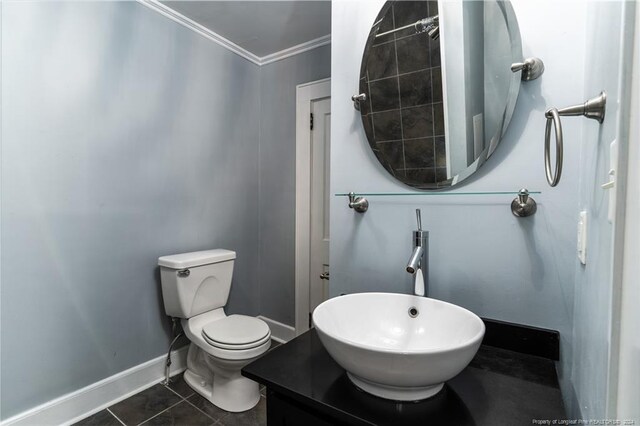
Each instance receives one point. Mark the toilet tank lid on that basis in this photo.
(196, 258)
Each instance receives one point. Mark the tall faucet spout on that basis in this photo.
(419, 261)
(414, 260)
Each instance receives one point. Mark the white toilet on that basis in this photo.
(195, 287)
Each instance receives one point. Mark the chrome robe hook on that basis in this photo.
(593, 108)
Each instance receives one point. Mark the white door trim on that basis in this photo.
(623, 391)
(305, 93)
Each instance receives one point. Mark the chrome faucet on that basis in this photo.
(420, 257)
(414, 260)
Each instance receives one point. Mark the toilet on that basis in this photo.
(195, 287)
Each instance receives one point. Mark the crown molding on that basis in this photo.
(203, 31)
(175, 16)
(295, 50)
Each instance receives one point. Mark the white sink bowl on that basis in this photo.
(392, 352)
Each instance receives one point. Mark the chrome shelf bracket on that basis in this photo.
(359, 204)
(523, 205)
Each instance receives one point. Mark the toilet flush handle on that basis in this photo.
(184, 273)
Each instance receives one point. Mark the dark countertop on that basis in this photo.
(499, 387)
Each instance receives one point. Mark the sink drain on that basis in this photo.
(413, 312)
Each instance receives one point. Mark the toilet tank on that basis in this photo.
(196, 282)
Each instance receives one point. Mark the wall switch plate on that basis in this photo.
(582, 237)
(610, 185)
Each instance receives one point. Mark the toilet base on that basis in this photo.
(220, 381)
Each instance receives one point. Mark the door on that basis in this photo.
(319, 202)
(313, 130)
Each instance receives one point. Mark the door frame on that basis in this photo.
(305, 94)
(626, 240)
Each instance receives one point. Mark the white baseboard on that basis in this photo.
(84, 402)
(279, 332)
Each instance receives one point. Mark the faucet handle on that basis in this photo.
(419, 219)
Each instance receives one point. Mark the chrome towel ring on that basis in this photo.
(593, 108)
(553, 116)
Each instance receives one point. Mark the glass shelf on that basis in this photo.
(431, 194)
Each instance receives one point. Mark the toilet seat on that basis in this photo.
(236, 332)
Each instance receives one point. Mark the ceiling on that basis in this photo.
(261, 27)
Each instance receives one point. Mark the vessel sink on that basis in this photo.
(398, 346)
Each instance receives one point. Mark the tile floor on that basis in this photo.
(175, 404)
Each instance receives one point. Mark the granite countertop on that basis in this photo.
(499, 387)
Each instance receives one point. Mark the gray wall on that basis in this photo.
(278, 177)
(124, 137)
(481, 256)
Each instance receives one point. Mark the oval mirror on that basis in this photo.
(438, 87)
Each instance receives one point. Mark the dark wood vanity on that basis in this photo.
(500, 387)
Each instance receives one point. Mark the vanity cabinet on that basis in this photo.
(305, 386)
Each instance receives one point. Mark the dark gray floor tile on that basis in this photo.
(257, 416)
(274, 345)
(101, 418)
(181, 414)
(144, 405)
(179, 386)
(207, 407)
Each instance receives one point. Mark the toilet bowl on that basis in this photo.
(195, 287)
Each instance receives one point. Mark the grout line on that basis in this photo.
(117, 418)
(390, 141)
(408, 107)
(433, 120)
(410, 139)
(182, 397)
(157, 414)
(395, 51)
(403, 74)
(194, 406)
(373, 127)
